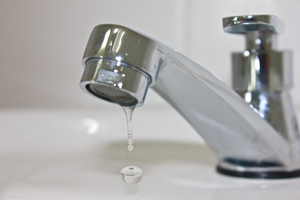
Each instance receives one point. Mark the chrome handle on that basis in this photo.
(247, 23)
(260, 67)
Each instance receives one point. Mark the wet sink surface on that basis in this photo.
(76, 154)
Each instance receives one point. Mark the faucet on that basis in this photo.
(251, 129)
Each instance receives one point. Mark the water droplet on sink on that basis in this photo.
(132, 174)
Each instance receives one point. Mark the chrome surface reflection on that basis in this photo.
(262, 75)
(229, 125)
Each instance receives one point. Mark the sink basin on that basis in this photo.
(78, 154)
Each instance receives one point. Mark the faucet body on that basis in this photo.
(121, 64)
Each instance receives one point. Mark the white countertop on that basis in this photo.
(77, 154)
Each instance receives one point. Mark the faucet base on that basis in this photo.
(259, 175)
(258, 170)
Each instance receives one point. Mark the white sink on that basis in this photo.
(77, 154)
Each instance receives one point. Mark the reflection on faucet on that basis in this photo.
(246, 144)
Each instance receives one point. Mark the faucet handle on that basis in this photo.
(260, 30)
(247, 23)
(260, 67)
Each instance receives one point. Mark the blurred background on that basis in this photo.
(42, 42)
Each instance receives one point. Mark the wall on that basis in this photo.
(42, 42)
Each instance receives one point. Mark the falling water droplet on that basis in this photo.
(130, 148)
(130, 141)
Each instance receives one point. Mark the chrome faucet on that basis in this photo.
(255, 136)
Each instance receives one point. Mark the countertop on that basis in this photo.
(78, 154)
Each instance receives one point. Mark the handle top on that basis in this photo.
(247, 23)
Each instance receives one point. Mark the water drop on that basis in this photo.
(130, 141)
(130, 148)
(132, 174)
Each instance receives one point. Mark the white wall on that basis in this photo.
(42, 42)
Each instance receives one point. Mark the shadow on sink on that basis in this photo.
(152, 153)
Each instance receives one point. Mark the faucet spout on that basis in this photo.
(121, 64)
